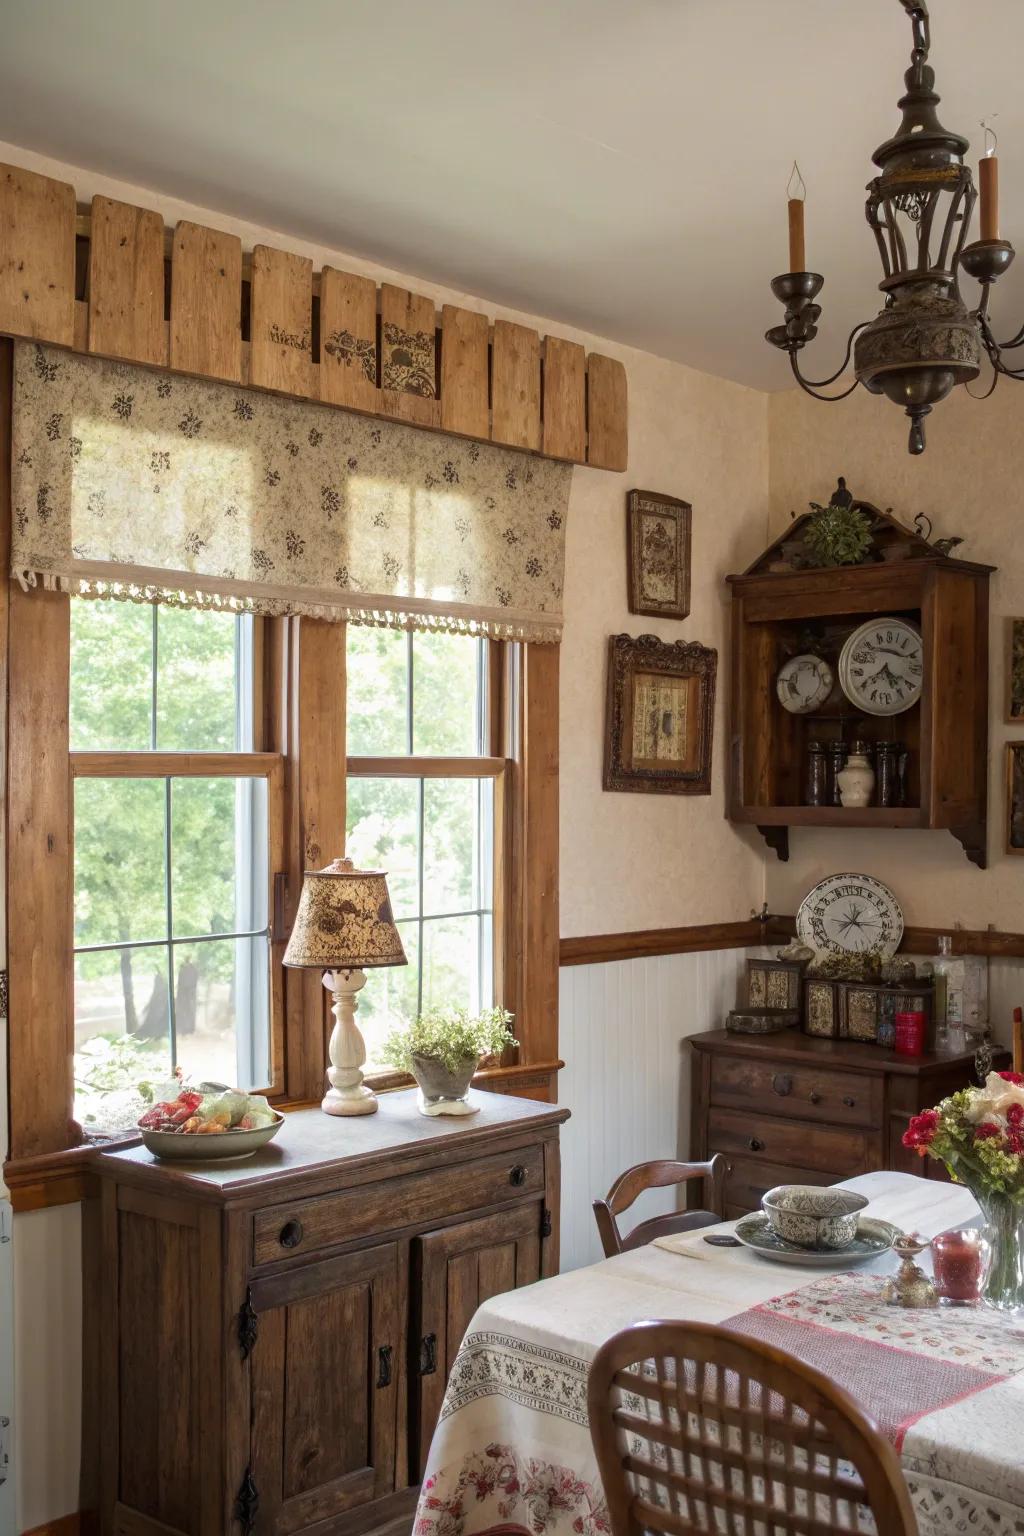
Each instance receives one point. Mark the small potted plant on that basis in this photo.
(442, 1049)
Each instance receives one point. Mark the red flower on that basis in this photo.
(1015, 1115)
(1012, 1077)
(986, 1130)
(1015, 1142)
(921, 1131)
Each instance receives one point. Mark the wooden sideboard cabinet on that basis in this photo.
(275, 1334)
(792, 1109)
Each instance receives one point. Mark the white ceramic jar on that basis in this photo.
(857, 779)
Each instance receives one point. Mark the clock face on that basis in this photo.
(881, 667)
(850, 914)
(804, 683)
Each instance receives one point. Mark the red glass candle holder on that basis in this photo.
(910, 1033)
(960, 1261)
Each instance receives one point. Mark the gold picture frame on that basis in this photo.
(1015, 672)
(1015, 797)
(658, 551)
(660, 715)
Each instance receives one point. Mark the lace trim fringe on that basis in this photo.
(343, 610)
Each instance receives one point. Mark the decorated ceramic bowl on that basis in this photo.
(812, 1217)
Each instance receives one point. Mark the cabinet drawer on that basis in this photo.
(303, 1226)
(747, 1180)
(793, 1144)
(805, 1093)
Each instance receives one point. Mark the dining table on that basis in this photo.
(512, 1451)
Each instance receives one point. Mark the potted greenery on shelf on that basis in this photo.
(442, 1049)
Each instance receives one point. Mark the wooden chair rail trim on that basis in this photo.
(989, 942)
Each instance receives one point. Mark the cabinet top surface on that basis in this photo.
(310, 1141)
(791, 1045)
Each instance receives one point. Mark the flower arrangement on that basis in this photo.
(978, 1133)
(839, 534)
(451, 1036)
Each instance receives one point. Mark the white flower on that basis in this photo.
(994, 1100)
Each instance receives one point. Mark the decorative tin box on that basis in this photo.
(774, 983)
(864, 1010)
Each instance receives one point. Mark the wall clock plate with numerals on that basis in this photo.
(850, 914)
(881, 666)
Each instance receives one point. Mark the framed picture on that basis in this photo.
(1015, 797)
(1015, 674)
(660, 715)
(658, 541)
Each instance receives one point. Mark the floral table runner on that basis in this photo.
(512, 1451)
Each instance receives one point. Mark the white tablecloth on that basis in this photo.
(512, 1448)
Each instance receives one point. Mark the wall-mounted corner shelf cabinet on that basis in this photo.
(779, 613)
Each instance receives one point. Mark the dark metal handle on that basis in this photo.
(782, 1083)
(813, 1097)
(849, 1101)
(428, 1355)
(517, 1175)
(755, 1144)
(290, 1235)
(384, 1365)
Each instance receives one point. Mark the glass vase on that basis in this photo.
(1004, 1225)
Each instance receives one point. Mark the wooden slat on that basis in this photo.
(565, 432)
(408, 357)
(185, 765)
(126, 282)
(464, 402)
(281, 325)
(426, 767)
(206, 302)
(607, 415)
(537, 1021)
(37, 256)
(348, 340)
(515, 386)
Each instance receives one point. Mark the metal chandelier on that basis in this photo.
(925, 340)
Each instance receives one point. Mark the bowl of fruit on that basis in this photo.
(210, 1121)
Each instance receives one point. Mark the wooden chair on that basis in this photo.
(697, 1429)
(631, 1184)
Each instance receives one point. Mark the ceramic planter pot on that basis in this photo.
(442, 1091)
(812, 1217)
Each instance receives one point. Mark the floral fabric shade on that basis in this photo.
(344, 920)
(151, 486)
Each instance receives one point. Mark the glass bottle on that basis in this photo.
(816, 776)
(950, 1038)
(836, 763)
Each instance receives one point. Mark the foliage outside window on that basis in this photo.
(423, 697)
(171, 939)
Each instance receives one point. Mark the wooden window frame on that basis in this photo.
(300, 736)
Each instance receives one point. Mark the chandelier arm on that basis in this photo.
(810, 384)
(994, 350)
(810, 388)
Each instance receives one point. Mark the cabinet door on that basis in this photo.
(324, 1394)
(454, 1270)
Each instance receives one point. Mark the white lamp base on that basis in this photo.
(348, 1094)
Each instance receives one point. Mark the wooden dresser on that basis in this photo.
(791, 1109)
(276, 1333)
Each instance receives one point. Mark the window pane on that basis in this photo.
(219, 987)
(122, 1034)
(451, 963)
(451, 835)
(383, 833)
(218, 855)
(389, 997)
(200, 707)
(111, 675)
(377, 691)
(120, 891)
(446, 673)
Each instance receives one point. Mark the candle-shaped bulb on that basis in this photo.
(988, 176)
(796, 193)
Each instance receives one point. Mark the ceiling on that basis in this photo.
(617, 165)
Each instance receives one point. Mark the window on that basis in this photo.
(421, 806)
(171, 817)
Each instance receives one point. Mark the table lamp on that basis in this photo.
(343, 925)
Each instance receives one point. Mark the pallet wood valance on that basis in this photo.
(113, 282)
(130, 483)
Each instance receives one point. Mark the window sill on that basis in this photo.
(64, 1178)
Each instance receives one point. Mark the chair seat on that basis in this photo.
(667, 1226)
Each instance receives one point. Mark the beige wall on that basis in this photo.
(969, 481)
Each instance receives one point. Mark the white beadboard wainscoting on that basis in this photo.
(627, 1076)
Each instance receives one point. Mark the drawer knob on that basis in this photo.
(782, 1083)
(814, 1097)
(849, 1101)
(517, 1175)
(290, 1235)
(755, 1144)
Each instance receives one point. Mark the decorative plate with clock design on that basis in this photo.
(804, 683)
(881, 666)
(850, 914)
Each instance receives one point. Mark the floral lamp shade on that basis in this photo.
(344, 921)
